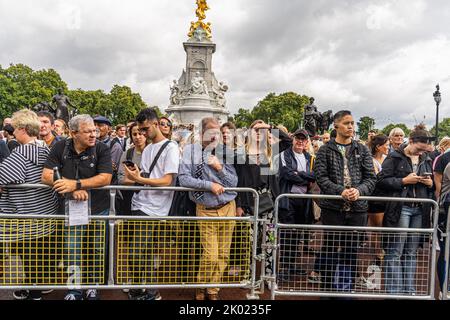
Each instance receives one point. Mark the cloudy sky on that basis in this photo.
(380, 58)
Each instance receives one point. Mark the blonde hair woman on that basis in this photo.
(253, 170)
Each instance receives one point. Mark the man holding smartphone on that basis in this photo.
(160, 161)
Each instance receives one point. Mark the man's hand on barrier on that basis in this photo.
(80, 195)
(239, 212)
(353, 195)
(411, 179)
(217, 189)
(63, 186)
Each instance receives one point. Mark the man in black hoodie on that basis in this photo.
(343, 167)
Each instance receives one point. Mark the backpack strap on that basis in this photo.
(164, 146)
(130, 154)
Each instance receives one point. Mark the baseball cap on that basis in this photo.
(301, 133)
(102, 119)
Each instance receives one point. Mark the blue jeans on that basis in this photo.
(441, 263)
(401, 254)
(90, 243)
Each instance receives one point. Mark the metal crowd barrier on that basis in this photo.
(446, 288)
(142, 252)
(350, 262)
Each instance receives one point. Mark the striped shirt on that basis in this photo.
(25, 165)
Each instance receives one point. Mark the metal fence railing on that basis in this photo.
(446, 287)
(354, 261)
(129, 252)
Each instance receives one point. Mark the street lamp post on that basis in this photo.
(437, 99)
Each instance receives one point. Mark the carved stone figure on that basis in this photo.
(175, 93)
(198, 86)
(219, 94)
(62, 101)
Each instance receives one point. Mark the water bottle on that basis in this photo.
(56, 174)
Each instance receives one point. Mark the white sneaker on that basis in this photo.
(92, 294)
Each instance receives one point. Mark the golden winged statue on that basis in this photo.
(202, 7)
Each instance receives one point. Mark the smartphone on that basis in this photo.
(129, 163)
(427, 174)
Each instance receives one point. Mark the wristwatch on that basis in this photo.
(78, 184)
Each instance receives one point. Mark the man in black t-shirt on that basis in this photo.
(83, 164)
(439, 168)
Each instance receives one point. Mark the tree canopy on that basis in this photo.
(365, 124)
(22, 87)
(444, 128)
(387, 130)
(286, 109)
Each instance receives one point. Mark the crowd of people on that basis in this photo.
(150, 151)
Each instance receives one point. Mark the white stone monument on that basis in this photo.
(198, 94)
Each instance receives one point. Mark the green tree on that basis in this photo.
(365, 124)
(286, 109)
(21, 87)
(444, 128)
(387, 130)
(243, 118)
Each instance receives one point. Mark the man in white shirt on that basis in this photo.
(160, 162)
(296, 177)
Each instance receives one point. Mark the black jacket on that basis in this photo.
(329, 172)
(289, 176)
(4, 151)
(396, 167)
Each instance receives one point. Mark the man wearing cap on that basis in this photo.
(296, 177)
(104, 127)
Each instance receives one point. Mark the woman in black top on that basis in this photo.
(253, 167)
(406, 174)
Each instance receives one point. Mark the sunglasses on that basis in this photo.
(165, 124)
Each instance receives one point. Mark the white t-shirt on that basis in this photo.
(301, 166)
(157, 203)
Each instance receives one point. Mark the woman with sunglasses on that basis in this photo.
(165, 125)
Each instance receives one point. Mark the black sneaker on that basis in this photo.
(298, 272)
(155, 295)
(138, 294)
(284, 276)
(21, 294)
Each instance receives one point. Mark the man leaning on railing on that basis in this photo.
(84, 164)
(201, 169)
